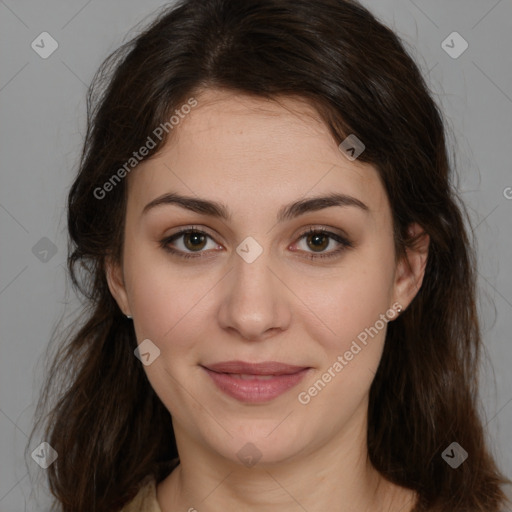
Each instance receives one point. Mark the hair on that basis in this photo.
(108, 424)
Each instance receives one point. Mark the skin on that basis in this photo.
(255, 156)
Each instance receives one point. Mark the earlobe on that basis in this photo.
(116, 285)
(411, 268)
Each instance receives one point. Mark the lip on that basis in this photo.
(263, 368)
(263, 382)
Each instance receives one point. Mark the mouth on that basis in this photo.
(255, 382)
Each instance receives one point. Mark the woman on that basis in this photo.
(281, 286)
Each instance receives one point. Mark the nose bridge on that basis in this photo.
(253, 303)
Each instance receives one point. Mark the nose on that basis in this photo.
(254, 301)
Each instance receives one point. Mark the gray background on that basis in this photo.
(42, 107)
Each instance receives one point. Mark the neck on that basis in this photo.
(334, 476)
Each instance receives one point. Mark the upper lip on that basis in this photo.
(264, 368)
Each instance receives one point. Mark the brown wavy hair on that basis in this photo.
(108, 426)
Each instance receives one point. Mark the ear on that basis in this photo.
(411, 268)
(116, 284)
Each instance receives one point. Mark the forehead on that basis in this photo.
(253, 151)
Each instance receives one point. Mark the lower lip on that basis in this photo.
(254, 390)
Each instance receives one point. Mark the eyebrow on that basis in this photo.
(288, 212)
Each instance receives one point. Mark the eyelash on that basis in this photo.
(345, 243)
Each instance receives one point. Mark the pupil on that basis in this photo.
(316, 239)
(196, 237)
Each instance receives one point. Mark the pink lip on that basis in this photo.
(256, 389)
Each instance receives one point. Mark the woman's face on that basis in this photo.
(257, 287)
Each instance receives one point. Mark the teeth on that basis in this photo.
(245, 376)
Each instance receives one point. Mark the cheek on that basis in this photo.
(350, 310)
(350, 307)
(350, 301)
(160, 297)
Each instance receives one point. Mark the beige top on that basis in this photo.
(145, 501)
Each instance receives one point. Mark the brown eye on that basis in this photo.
(318, 241)
(187, 242)
(194, 241)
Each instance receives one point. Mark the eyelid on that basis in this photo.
(340, 238)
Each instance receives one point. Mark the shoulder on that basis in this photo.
(145, 500)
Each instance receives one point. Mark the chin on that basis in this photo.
(264, 445)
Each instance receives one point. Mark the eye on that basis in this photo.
(194, 240)
(318, 239)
